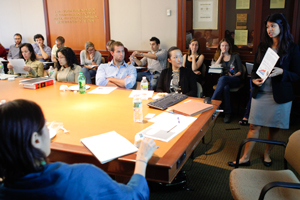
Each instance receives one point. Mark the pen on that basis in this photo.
(171, 128)
(227, 129)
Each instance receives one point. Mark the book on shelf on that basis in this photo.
(36, 83)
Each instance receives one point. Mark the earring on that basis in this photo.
(37, 141)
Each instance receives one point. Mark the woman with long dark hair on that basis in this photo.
(194, 59)
(272, 99)
(33, 66)
(177, 78)
(68, 68)
(232, 71)
(25, 174)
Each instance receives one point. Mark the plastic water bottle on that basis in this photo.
(137, 109)
(1, 68)
(81, 83)
(51, 72)
(144, 88)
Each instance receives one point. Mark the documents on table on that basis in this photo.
(141, 92)
(76, 87)
(267, 64)
(108, 146)
(166, 126)
(18, 65)
(102, 90)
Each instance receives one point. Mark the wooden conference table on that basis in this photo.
(86, 115)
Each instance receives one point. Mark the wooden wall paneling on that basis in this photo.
(106, 20)
(221, 22)
(77, 21)
(181, 26)
(47, 23)
(296, 25)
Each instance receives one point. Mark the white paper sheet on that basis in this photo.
(108, 146)
(76, 87)
(18, 65)
(166, 126)
(102, 90)
(140, 92)
(267, 64)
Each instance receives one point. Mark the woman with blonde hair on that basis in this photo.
(90, 59)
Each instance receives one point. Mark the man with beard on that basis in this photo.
(117, 72)
(14, 49)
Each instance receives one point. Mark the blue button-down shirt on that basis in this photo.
(37, 50)
(109, 70)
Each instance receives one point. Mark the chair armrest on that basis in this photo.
(271, 185)
(256, 140)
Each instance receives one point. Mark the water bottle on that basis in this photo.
(1, 68)
(137, 108)
(144, 88)
(81, 83)
(51, 72)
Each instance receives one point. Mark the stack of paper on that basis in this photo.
(108, 146)
(217, 69)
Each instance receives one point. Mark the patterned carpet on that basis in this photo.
(208, 174)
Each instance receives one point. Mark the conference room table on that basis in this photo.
(85, 115)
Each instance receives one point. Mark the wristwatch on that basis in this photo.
(141, 54)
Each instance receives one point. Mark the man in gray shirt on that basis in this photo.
(14, 50)
(42, 52)
(156, 60)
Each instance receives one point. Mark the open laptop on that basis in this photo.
(249, 67)
(6, 76)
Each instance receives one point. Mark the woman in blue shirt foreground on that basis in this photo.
(24, 174)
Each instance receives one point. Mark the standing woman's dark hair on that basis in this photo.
(30, 48)
(285, 37)
(19, 119)
(70, 57)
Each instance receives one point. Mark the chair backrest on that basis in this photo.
(199, 90)
(292, 151)
(244, 72)
(203, 70)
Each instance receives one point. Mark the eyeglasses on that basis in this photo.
(90, 50)
(59, 58)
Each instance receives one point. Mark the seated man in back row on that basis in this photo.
(42, 52)
(117, 72)
(156, 60)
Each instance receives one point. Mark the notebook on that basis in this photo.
(191, 108)
(108, 146)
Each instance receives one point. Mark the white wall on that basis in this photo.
(21, 16)
(134, 22)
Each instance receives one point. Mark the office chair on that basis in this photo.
(266, 184)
